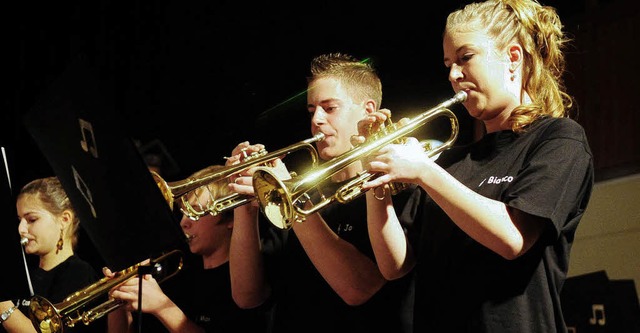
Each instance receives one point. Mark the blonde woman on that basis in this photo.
(49, 229)
(500, 213)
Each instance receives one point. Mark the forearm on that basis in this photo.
(175, 321)
(393, 252)
(351, 274)
(248, 283)
(17, 321)
(119, 321)
(485, 220)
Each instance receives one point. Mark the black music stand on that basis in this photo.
(108, 182)
(13, 261)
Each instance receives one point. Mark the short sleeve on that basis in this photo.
(557, 175)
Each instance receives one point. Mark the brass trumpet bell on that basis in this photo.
(285, 202)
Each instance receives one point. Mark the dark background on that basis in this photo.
(198, 77)
(191, 79)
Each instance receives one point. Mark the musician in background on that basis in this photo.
(200, 295)
(325, 277)
(502, 212)
(49, 229)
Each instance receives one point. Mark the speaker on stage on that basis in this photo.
(592, 303)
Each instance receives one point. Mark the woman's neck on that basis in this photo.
(52, 259)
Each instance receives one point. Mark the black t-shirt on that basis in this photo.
(64, 280)
(305, 302)
(462, 286)
(204, 295)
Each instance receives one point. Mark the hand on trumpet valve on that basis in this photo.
(153, 298)
(242, 183)
(244, 151)
(370, 125)
(119, 290)
(106, 271)
(402, 163)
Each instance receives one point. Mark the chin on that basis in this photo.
(325, 153)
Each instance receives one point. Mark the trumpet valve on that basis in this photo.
(248, 157)
(243, 151)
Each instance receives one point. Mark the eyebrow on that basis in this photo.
(27, 214)
(458, 50)
(324, 102)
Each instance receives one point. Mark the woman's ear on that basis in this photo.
(515, 57)
(67, 218)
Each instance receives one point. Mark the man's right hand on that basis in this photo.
(242, 183)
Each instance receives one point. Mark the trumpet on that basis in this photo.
(178, 189)
(47, 317)
(283, 201)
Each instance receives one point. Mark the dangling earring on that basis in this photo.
(512, 71)
(60, 243)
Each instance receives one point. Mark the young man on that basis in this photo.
(325, 278)
(200, 298)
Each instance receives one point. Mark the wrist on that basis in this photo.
(7, 314)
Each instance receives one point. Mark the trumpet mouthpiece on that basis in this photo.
(24, 241)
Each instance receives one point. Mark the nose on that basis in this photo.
(455, 73)
(22, 227)
(185, 222)
(319, 116)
